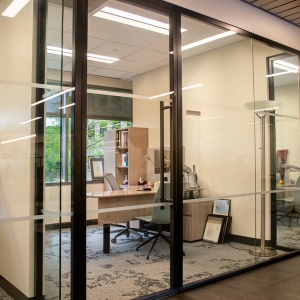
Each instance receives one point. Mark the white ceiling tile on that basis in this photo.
(149, 56)
(115, 50)
(108, 73)
(126, 66)
(90, 69)
(67, 41)
(94, 43)
(55, 17)
(67, 67)
(98, 28)
(52, 35)
(53, 64)
(96, 64)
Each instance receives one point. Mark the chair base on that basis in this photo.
(292, 213)
(155, 238)
(127, 230)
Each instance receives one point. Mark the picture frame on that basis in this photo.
(97, 168)
(221, 207)
(213, 229)
(217, 229)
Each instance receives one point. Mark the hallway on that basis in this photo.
(277, 281)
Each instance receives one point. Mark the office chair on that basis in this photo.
(159, 216)
(296, 200)
(127, 230)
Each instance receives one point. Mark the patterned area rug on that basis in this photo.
(288, 236)
(4, 296)
(126, 273)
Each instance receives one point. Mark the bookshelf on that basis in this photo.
(132, 141)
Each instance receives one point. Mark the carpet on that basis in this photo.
(126, 273)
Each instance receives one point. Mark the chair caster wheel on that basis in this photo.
(137, 249)
(147, 257)
(145, 234)
(113, 241)
(140, 239)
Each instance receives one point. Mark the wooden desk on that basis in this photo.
(121, 198)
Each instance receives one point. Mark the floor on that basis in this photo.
(277, 281)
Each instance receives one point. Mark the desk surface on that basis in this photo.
(132, 191)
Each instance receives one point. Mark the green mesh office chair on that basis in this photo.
(159, 216)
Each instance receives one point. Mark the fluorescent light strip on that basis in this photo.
(53, 96)
(62, 107)
(208, 40)
(31, 120)
(191, 86)
(281, 73)
(285, 65)
(210, 118)
(19, 139)
(14, 8)
(90, 56)
(112, 14)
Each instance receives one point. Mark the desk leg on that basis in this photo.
(106, 238)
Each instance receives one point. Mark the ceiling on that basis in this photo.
(138, 50)
(288, 10)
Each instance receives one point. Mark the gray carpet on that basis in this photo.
(126, 273)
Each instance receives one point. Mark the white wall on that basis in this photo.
(223, 149)
(16, 259)
(247, 17)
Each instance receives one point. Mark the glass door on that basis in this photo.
(128, 150)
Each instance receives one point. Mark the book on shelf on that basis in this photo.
(124, 139)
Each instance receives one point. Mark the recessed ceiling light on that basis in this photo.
(90, 56)
(208, 40)
(130, 19)
(287, 67)
(14, 8)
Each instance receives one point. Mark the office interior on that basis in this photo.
(130, 70)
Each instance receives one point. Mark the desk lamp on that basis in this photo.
(261, 108)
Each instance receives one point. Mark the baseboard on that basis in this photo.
(65, 225)
(12, 291)
(246, 240)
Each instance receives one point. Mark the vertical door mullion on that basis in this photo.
(78, 193)
(176, 261)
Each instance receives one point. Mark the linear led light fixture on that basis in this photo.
(68, 105)
(31, 120)
(53, 96)
(19, 139)
(161, 95)
(14, 8)
(116, 15)
(90, 56)
(287, 67)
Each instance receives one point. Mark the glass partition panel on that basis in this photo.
(33, 149)
(220, 157)
(128, 77)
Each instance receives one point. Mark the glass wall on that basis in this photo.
(34, 151)
(237, 123)
(240, 101)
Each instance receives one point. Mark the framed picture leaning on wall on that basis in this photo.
(97, 167)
